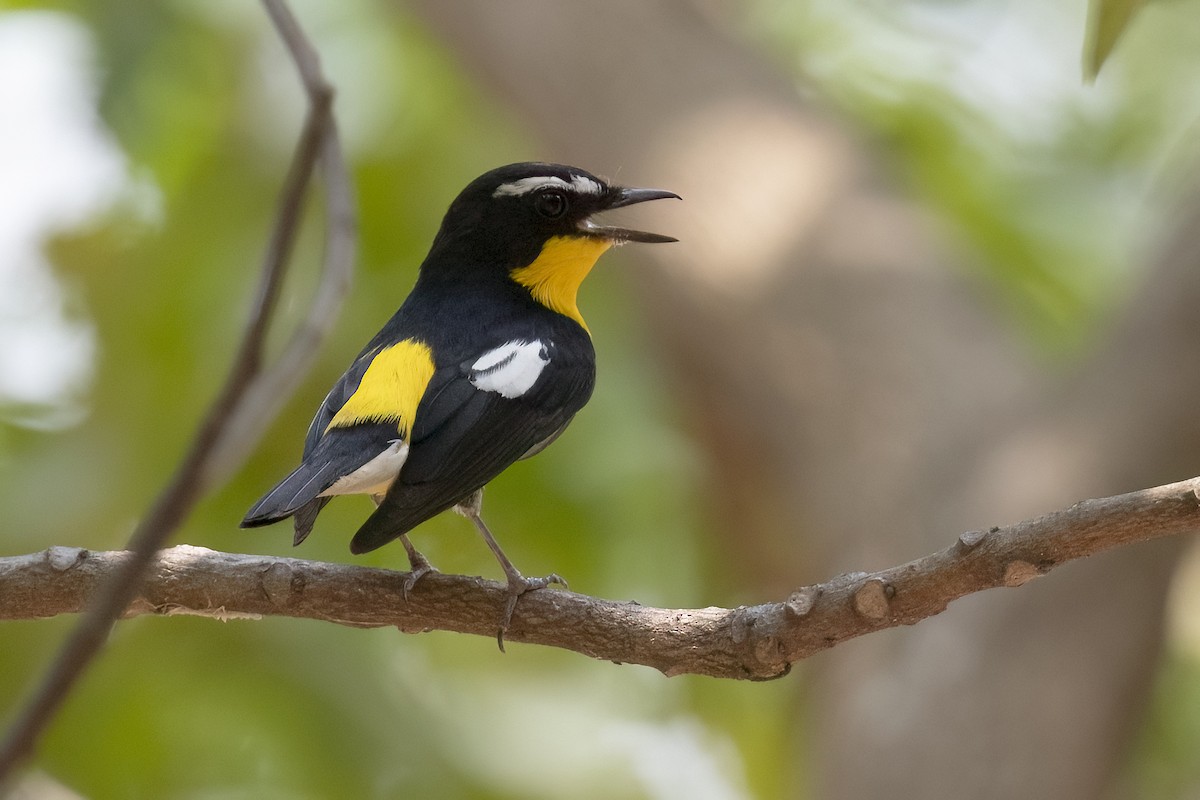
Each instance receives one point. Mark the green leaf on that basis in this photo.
(1107, 20)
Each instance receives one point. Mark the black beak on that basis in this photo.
(619, 198)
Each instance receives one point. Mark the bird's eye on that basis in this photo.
(551, 205)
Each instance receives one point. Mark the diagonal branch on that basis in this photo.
(264, 398)
(756, 643)
(248, 398)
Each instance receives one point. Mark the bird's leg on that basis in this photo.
(418, 564)
(518, 584)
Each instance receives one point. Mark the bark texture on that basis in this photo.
(756, 643)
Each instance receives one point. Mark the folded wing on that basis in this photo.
(358, 440)
(478, 417)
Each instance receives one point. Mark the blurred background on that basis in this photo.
(929, 281)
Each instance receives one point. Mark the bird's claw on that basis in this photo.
(418, 564)
(531, 584)
(518, 585)
(418, 569)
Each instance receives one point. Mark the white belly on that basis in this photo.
(375, 476)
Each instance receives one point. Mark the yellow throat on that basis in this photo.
(556, 274)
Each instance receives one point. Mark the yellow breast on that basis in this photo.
(556, 274)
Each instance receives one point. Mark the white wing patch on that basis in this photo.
(511, 369)
(375, 476)
(578, 183)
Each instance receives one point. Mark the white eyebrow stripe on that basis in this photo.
(578, 184)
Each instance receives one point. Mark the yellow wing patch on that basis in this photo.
(556, 274)
(391, 388)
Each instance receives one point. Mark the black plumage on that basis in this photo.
(485, 362)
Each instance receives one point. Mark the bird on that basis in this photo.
(485, 363)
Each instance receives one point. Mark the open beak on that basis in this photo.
(619, 198)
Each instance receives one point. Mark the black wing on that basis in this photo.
(464, 436)
(328, 455)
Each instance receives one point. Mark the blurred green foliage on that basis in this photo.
(1057, 189)
(201, 100)
(1164, 764)
(205, 107)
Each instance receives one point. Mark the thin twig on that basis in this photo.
(263, 400)
(195, 472)
(756, 643)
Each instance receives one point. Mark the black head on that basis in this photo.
(505, 216)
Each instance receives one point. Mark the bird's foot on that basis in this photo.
(518, 585)
(419, 567)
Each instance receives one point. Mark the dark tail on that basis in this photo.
(305, 517)
(295, 493)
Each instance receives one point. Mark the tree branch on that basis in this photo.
(756, 643)
(247, 400)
